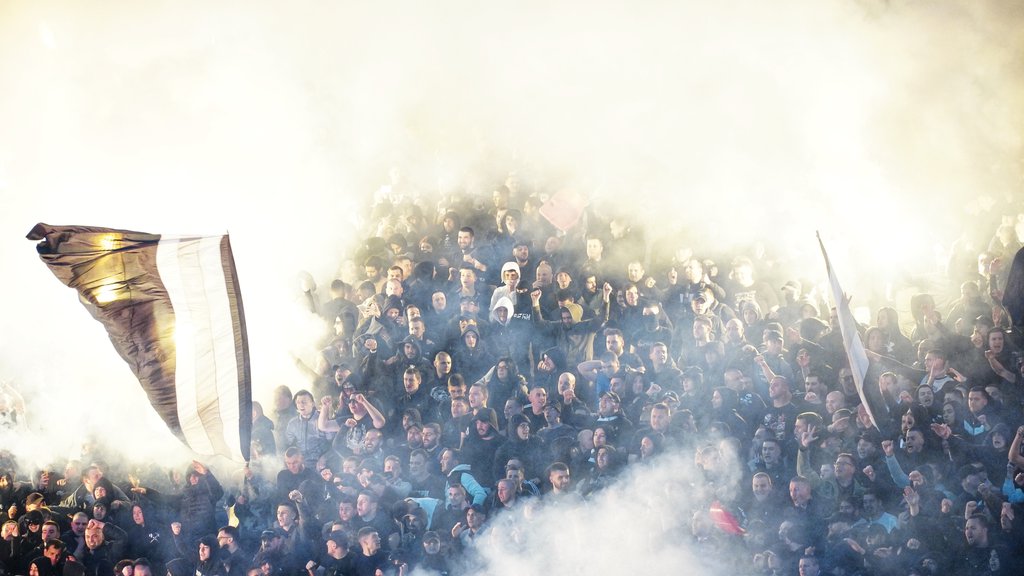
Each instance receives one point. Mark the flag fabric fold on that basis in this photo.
(172, 309)
(855, 353)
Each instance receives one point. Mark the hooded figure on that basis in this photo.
(149, 536)
(552, 363)
(522, 445)
(482, 442)
(421, 285)
(504, 384)
(199, 499)
(607, 463)
(511, 329)
(392, 302)
(13, 548)
(812, 329)
(410, 352)
(43, 566)
(724, 404)
(510, 277)
(383, 374)
(500, 335)
(473, 355)
(179, 567)
(405, 397)
(896, 344)
(503, 237)
(207, 566)
(383, 328)
(12, 493)
(502, 310)
(750, 313)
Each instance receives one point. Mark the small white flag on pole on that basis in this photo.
(851, 338)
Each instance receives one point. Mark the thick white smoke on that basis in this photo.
(892, 126)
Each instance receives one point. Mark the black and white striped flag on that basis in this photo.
(173, 311)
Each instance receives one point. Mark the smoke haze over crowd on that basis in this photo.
(892, 126)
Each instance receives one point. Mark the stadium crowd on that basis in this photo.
(484, 364)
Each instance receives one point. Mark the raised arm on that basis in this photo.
(324, 422)
(998, 367)
(899, 477)
(1014, 455)
(486, 377)
(803, 467)
(606, 297)
(538, 315)
(765, 368)
(375, 415)
(589, 369)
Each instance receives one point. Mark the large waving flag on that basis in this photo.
(172, 309)
(851, 338)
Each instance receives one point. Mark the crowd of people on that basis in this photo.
(485, 364)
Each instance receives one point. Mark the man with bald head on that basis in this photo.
(104, 544)
(834, 401)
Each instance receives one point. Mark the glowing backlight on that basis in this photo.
(107, 293)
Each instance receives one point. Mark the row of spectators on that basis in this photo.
(486, 364)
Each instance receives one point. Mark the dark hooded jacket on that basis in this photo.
(754, 330)
(152, 539)
(13, 494)
(530, 451)
(499, 391)
(501, 337)
(383, 374)
(728, 414)
(472, 363)
(549, 380)
(387, 332)
(513, 338)
(199, 504)
(896, 344)
(421, 286)
(478, 451)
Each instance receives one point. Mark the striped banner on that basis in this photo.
(173, 311)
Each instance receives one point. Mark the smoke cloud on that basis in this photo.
(894, 127)
(642, 522)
